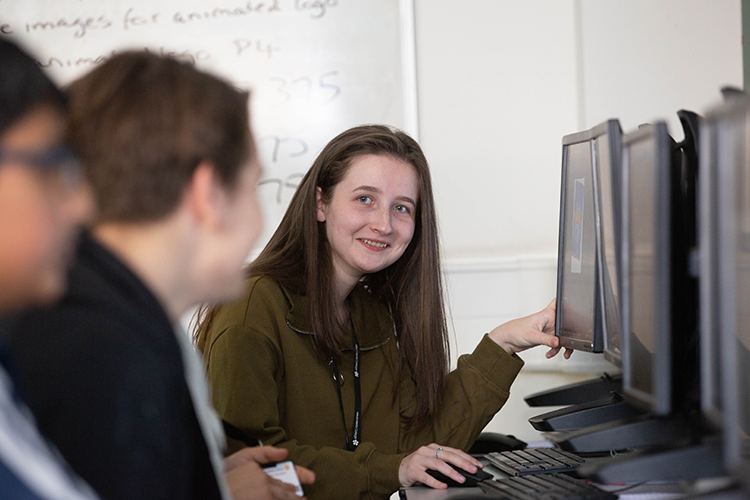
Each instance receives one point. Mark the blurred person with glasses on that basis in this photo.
(43, 202)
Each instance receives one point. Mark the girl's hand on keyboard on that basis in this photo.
(413, 467)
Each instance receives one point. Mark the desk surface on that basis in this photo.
(660, 491)
(644, 491)
(424, 493)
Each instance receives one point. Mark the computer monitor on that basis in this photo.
(607, 157)
(578, 322)
(731, 250)
(646, 252)
(717, 135)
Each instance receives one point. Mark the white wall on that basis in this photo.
(496, 91)
(499, 83)
(645, 60)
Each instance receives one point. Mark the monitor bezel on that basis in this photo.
(727, 301)
(596, 344)
(611, 128)
(709, 224)
(660, 401)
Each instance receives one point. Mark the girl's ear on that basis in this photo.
(320, 204)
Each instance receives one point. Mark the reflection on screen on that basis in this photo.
(609, 246)
(642, 251)
(578, 246)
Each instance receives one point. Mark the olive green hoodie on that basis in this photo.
(267, 381)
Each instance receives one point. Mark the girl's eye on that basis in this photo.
(364, 199)
(402, 209)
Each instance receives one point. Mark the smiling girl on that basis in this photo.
(339, 349)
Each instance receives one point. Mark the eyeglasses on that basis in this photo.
(59, 160)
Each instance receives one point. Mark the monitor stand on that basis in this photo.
(581, 392)
(688, 463)
(642, 431)
(583, 415)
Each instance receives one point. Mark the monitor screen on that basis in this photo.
(646, 161)
(577, 314)
(607, 166)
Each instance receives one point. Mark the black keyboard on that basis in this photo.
(534, 461)
(544, 487)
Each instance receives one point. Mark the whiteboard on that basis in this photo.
(315, 67)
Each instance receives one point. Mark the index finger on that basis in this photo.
(305, 475)
(459, 458)
(265, 454)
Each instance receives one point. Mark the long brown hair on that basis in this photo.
(298, 256)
